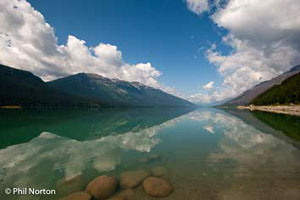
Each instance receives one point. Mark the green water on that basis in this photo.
(208, 153)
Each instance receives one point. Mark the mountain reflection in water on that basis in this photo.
(19, 126)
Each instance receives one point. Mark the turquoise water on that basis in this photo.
(208, 153)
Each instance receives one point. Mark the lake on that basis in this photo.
(206, 153)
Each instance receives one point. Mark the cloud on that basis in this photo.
(209, 85)
(265, 42)
(28, 42)
(200, 97)
(198, 6)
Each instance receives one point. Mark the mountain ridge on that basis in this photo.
(115, 91)
(288, 92)
(22, 88)
(246, 97)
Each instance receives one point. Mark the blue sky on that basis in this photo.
(201, 50)
(164, 33)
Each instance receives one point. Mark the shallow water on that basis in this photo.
(208, 153)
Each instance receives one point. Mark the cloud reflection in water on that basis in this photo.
(72, 156)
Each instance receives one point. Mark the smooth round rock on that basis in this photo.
(131, 179)
(102, 187)
(157, 187)
(79, 196)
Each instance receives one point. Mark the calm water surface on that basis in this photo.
(208, 153)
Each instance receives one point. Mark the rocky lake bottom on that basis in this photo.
(148, 154)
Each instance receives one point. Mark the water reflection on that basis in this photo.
(50, 157)
(245, 143)
(284, 127)
(210, 154)
(73, 156)
(19, 126)
(260, 164)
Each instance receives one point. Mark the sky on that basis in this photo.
(200, 50)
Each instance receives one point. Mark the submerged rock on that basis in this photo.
(131, 179)
(157, 187)
(159, 171)
(78, 196)
(102, 187)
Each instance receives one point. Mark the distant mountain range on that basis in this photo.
(248, 97)
(22, 88)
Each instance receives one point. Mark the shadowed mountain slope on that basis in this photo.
(22, 88)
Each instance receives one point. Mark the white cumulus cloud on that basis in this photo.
(265, 42)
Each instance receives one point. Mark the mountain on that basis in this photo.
(285, 93)
(249, 95)
(116, 92)
(22, 88)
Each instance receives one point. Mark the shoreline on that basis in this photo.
(281, 109)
